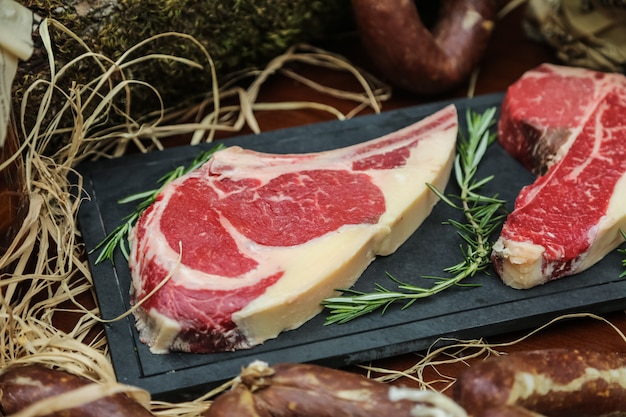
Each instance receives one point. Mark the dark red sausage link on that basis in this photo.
(302, 390)
(552, 382)
(509, 411)
(21, 386)
(420, 60)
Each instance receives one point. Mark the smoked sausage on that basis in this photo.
(305, 390)
(420, 60)
(22, 386)
(510, 411)
(551, 382)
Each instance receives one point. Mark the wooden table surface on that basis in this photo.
(509, 54)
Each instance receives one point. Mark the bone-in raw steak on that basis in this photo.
(571, 124)
(251, 243)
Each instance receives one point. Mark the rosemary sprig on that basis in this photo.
(118, 238)
(482, 216)
(623, 252)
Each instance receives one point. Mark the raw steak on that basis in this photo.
(251, 243)
(570, 123)
(545, 110)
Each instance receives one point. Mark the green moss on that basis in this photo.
(238, 34)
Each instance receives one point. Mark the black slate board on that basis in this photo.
(463, 313)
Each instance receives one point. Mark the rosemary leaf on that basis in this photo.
(623, 251)
(481, 214)
(118, 238)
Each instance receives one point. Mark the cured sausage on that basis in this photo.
(420, 60)
(304, 390)
(509, 411)
(552, 382)
(22, 386)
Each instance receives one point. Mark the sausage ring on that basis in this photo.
(420, 60)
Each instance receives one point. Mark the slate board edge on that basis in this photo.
(188, 386)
